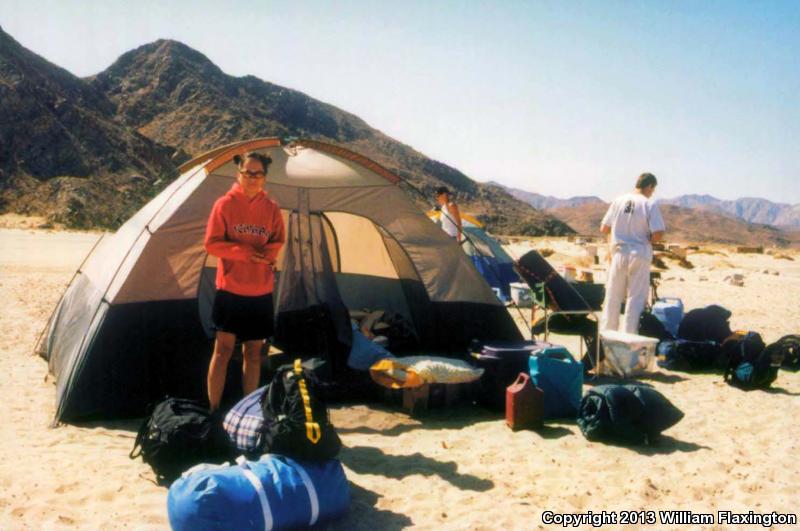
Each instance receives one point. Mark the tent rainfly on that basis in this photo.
(133, 325)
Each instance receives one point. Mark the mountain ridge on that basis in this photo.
(61, 146)
(164, 102)
(548, 202)
(749, 209)
(689, 225)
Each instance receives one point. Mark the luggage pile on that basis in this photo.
(536, 381)
(704, 342)
(286, 475)
(551, 368)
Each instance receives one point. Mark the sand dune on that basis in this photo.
(454, 469)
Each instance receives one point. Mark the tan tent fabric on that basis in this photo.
(166, 260)
(361, 246)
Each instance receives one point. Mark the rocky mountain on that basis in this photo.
(547, 202)
(176, 96)
(62, 151)
(89, 152)
(689, 225)
(750, 209)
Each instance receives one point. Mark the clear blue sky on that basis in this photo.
(559, 98)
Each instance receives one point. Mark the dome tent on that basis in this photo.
(130, 326)
(487, 255)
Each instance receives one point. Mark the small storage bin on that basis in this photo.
(627, 354)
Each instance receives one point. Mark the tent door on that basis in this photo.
(310, 317)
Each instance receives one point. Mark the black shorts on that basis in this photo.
(248, 318)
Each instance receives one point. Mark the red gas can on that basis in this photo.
(524, 404)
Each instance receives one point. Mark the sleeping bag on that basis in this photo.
(628, 414)
(706, 324)
(274, 492)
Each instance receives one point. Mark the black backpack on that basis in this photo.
(787, 347)
(296, 420)
(178, 434)
(750, 364)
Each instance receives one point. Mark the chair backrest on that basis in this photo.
(557, 294)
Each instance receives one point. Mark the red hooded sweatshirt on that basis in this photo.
(237, 228)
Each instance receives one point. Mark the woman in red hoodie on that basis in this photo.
(245, 231)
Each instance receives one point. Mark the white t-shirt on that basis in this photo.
(632, 218)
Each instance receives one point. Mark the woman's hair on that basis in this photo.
(263, 159)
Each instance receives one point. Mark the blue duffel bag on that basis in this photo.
(275, 492)
(560, 376)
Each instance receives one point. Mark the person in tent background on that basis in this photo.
(633, 223)
(450, 217)
(245, 231)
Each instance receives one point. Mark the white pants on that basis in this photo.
(628, 280)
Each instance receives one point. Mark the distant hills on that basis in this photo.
(695, 218)
(689, 225)
(547, 202)
(750, 209)
(89, 152)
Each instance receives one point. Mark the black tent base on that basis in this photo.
(147, 351)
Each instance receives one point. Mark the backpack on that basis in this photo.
(296, 420)
(787, 347)
(750, 364)
(178, 434)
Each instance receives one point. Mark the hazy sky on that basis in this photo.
(561, 98)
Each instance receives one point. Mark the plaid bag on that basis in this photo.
(244, 422)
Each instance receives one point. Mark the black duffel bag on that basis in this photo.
(690, 356)
(179, 434)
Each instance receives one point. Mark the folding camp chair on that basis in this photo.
(556, 296)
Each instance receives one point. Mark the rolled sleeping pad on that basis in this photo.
(275, 492)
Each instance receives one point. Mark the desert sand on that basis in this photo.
(454, 469)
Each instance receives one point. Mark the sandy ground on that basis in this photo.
(455, 469)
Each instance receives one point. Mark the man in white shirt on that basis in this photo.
(633, 222)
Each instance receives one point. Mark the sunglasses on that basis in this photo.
(253, 174)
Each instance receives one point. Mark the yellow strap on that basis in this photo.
(313, 431)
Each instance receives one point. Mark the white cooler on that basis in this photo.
(627, 354)
(520, 293)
